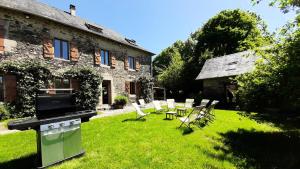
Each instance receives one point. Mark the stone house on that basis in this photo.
(30, 29)
(217, 72)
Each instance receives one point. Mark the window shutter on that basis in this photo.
(97, 57)
(137, 64)
(126, 64)
(113, 59)
(75, 84)
(138, 89)
(74, 55)
(48, 47)
(10, 84)
(2, 33)
(127, 87)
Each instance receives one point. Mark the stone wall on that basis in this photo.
(23, 38)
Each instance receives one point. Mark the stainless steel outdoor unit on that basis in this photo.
(58, 126)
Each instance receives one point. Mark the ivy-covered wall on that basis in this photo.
(32, 75)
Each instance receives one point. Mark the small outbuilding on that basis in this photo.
(217, 72)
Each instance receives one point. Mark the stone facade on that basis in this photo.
(23, 36)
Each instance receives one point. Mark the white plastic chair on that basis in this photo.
(157, 106)
(139, 113)
(142, 103)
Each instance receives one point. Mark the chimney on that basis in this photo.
(73, 10)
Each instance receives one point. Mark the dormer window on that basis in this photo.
(93, 28)
(231, 66)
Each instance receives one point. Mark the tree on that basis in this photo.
(228, 32)
(171, 76)
(275, 81)
(232, 31)
(284, 5)
(163, 60)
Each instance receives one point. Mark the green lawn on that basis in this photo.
(231, 141)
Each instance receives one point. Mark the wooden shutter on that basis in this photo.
(75, 84)
(74, 55)
(127, 87)
(112, 59)
(2, 33)
(138, 89)
(97, 57)
(10, 85)
(48, 47)
(126, 64)
(137, 63)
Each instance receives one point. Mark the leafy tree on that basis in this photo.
(275, 81)
(284, 5)
(231, 31)
(163, 60)
(171, 76)
(228, 32)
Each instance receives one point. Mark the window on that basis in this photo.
(132, 88)
(104, 57)
(131, 62)
(1, 89)
(61, 49)
(62, 83)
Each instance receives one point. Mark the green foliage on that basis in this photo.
(284, 5)
(4, 112)
(163, 60)
(228, 32)
(31, 76)
(232, 31)
(275, 81)
(171, 76)
(146, 88)
(87, 97)
(121, 100)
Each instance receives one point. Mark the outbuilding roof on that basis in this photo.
(228, 65)
(36, 8)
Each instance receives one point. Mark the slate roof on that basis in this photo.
(36, 8)
(228, 65)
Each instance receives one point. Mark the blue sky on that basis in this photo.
(156, 24)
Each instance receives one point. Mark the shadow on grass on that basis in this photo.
(262, 150)
(134, 120)
(286, 121)
(186, 130)
(27, 162)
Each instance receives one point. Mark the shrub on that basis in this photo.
(4, 112)
(121, 100)
(87, 97)
(146, 88)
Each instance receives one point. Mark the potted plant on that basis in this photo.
(120, 101)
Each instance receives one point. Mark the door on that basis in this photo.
(106, 92)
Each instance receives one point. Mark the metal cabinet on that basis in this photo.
(72, 138)
(59, 141)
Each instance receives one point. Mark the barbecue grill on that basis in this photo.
(57, 124)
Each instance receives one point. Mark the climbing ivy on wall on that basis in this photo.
(87, 97)
(32, 75)
(146, 87)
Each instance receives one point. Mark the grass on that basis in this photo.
(231, 141)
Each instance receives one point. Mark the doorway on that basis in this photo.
(106, 92)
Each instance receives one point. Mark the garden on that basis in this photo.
(233, 140)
